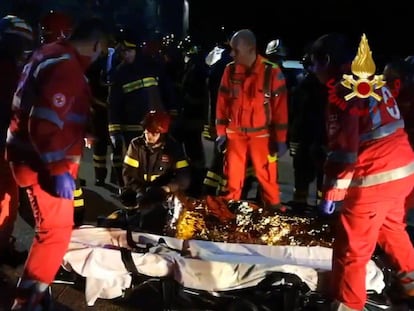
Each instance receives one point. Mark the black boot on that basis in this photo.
(32, 296)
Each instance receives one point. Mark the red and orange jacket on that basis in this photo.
(367, 144)
(245, 105)
(50, 110)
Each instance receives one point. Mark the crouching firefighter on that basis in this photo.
(155, 167)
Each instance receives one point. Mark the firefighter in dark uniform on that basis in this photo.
(99, 76)
(139, 85)
(307, 135)
(195, 102)
(154, 167)
(214, 182)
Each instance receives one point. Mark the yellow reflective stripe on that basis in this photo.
(131, 162)
(114, 127)
(271, 158)
(213, 175)
(77, 192)
(131, 127)
(100, 165)
(153, 177)
(209, 182)
(138, 84)
(78, 203)
(98, 158)
(181, 164)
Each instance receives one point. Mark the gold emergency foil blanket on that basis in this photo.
(249, 225)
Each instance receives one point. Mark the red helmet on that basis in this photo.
(157, 122)
(54, 26)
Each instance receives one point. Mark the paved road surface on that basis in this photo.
(101, 201)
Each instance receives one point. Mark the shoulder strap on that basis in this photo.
(267, 90)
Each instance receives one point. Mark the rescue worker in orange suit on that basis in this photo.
(44, 147)
(54, 26)
(15, 38)
(364, 169)
(251, 119)
(155, 167)
(399, 77)
(139, 85)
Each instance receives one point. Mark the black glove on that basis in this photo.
(128, 197)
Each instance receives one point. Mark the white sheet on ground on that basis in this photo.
(94, 254)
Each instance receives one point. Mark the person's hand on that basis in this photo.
(221, 143)
(327, 207)
(64, 185)
(89, 142)
(281, 149)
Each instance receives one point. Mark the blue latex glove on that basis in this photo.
(281, 149)
(64, 186)
(327, 207)
(221, 143)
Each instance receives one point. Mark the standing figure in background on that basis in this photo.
(307, 136)
(99, 76)
(45, 143)
(195, 100)
(139, 85)
(16, 37)
(251, 119)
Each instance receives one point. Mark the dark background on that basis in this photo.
(389, 26)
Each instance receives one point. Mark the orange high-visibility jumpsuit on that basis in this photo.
(252, 112)
(370, 166)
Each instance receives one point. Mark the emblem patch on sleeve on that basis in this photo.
(59, 100)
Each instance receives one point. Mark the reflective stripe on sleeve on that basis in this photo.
(131, 162)
(181, 164)
(139, 84)
(48, 115)
(382, 131)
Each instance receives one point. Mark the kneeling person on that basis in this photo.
(155, 166)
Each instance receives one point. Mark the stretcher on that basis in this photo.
(109, 258)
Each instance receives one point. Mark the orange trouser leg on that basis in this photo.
(265, 167)
(54, 223)
(235, 168)
(369, 215)
(9, 200)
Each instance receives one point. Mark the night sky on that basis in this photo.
(390, 29)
